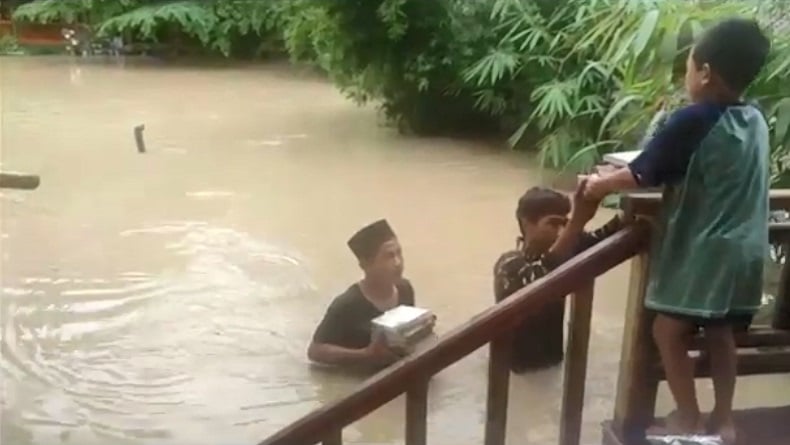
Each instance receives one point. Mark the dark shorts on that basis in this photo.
(739, 321)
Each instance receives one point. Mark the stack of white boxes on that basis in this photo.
(404, 326)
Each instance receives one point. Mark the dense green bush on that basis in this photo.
(597, 70)
(9, 46)
(228, 27)
(85, 12)
(580, 77)
(405, 54)
(586, 76)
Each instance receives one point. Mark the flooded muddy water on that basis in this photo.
(168, 297)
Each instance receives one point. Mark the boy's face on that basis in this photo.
(387, 265)
(697, 78)
(540, 234)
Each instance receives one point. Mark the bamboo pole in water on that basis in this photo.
(9, 180)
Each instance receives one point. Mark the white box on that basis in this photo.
(621, 159)
(404, 326)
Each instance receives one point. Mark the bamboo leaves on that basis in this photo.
(645, 32)
(492, 68)
(597, 69)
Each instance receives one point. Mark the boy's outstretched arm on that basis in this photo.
(665, 158)
(570, 238)
(598, 186)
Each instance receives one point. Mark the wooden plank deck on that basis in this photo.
(759, 426)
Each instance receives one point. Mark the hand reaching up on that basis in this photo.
(594, 188)
(584, 208)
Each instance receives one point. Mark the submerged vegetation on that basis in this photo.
(573, 78)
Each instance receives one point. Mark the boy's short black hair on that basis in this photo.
(538, 202)
(735, 49)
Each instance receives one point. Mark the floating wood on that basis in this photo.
(138, 138)
(22, 181)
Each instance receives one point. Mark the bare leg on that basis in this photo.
(720, 343)
(673, 339)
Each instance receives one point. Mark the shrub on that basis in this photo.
(596, 70)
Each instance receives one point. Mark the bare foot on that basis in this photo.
(724, 428)
(676, 425)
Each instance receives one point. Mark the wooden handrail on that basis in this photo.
(649, 203)
(495, 326)
(486, 327)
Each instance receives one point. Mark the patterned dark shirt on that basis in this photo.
(538, 342)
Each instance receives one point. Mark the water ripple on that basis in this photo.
(118, 355)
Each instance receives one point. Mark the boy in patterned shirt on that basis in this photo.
(548, 238)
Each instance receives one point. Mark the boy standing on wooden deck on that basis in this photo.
(706, 271)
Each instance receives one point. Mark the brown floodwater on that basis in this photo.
(168, 297)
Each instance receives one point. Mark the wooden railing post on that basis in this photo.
(498, 389)
(576, 365)
(417, 414)
(636, 387)
(493, 326)
(781, 318)
(334, 438)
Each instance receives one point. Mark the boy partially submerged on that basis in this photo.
(707, 267)
(548, 238)
(344, 335)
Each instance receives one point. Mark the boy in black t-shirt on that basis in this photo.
(344, 335)
(548, 238)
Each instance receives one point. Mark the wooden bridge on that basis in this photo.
(33, 34)
(639, 373)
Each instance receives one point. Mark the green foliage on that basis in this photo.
(581, 77)
(598, 70)
(52, 11)
(224, 26)
(405, 54)
(85, 12)
(149, 20)
(229, 27)
(772, 91)
(9, 46)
